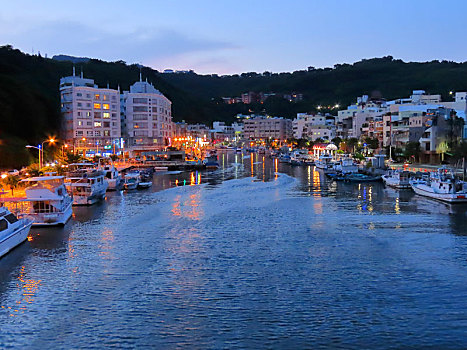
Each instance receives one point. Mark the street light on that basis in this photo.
(51, 140)
(29, 146)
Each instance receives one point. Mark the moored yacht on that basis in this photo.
(47, 201)
(13, 231)
(397, 179)
(442, 185)
(112, 176)
(87, 186)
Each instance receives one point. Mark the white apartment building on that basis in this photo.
(261, 127)
(147, 117)
(324, 132)
(91, 121)
(312, 126)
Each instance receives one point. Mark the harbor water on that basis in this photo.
(257, 254)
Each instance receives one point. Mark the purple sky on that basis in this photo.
(226, 37)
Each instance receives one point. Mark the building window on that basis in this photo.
(105, 97)
(97, 114)
(140, 108)
(106, 124)
(79, 104)
(79, 133)
(97, 124)
(79, 94)
(140, 100)
(97, 97)
(88, 114)
(105, 106)
(106, 132)
(97, 105)
(80, 123)
(114, 115)
(106, 115)
(97, 133)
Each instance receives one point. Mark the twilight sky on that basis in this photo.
(224, 36)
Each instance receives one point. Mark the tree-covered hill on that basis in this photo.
(30, 101)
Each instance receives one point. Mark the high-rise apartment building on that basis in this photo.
(91, 121)
(146, 116)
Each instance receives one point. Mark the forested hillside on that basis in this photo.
(30, 102)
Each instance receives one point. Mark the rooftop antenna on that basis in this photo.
(74, 71)
(140, 76)
(81, 72)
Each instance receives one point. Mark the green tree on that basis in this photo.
(372, 143)
(11, 181)
(337, 141)
(352, 144)
(412, 151)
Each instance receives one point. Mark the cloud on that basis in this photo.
(145, 44)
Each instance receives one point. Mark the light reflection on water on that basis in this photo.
(261, 261)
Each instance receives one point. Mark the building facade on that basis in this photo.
(146, 117)
(262, 128)
(91, 120)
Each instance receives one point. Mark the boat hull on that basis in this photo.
(427, 191)
(394, 183)
(53, 219)
(88, 200)
(14, 239)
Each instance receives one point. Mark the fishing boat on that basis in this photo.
(145, 179)
(442, 185)
(86, 185)
(47, 201)
(345, 165)
(211, 163)
(284, 158)
(295, 158)
(131, 180)
(397, 179)
(13, 231)
(324, 162)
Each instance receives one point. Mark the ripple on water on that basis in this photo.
(243, 264)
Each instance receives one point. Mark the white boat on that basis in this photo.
(145, 180)
(132, 180)
(47, 201)
(397, 179)
(443, 186)
(112, 176)
(324, 162)
(301, 157)
(345, 165)
(13, 231)
(87, 186)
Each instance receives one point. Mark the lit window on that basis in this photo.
(97, 124)
(105, 106)
(97, 97)
(105, 97)
(80, 123)
(97, 105)
(106, 115)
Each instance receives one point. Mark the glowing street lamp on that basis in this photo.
(41, 160)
